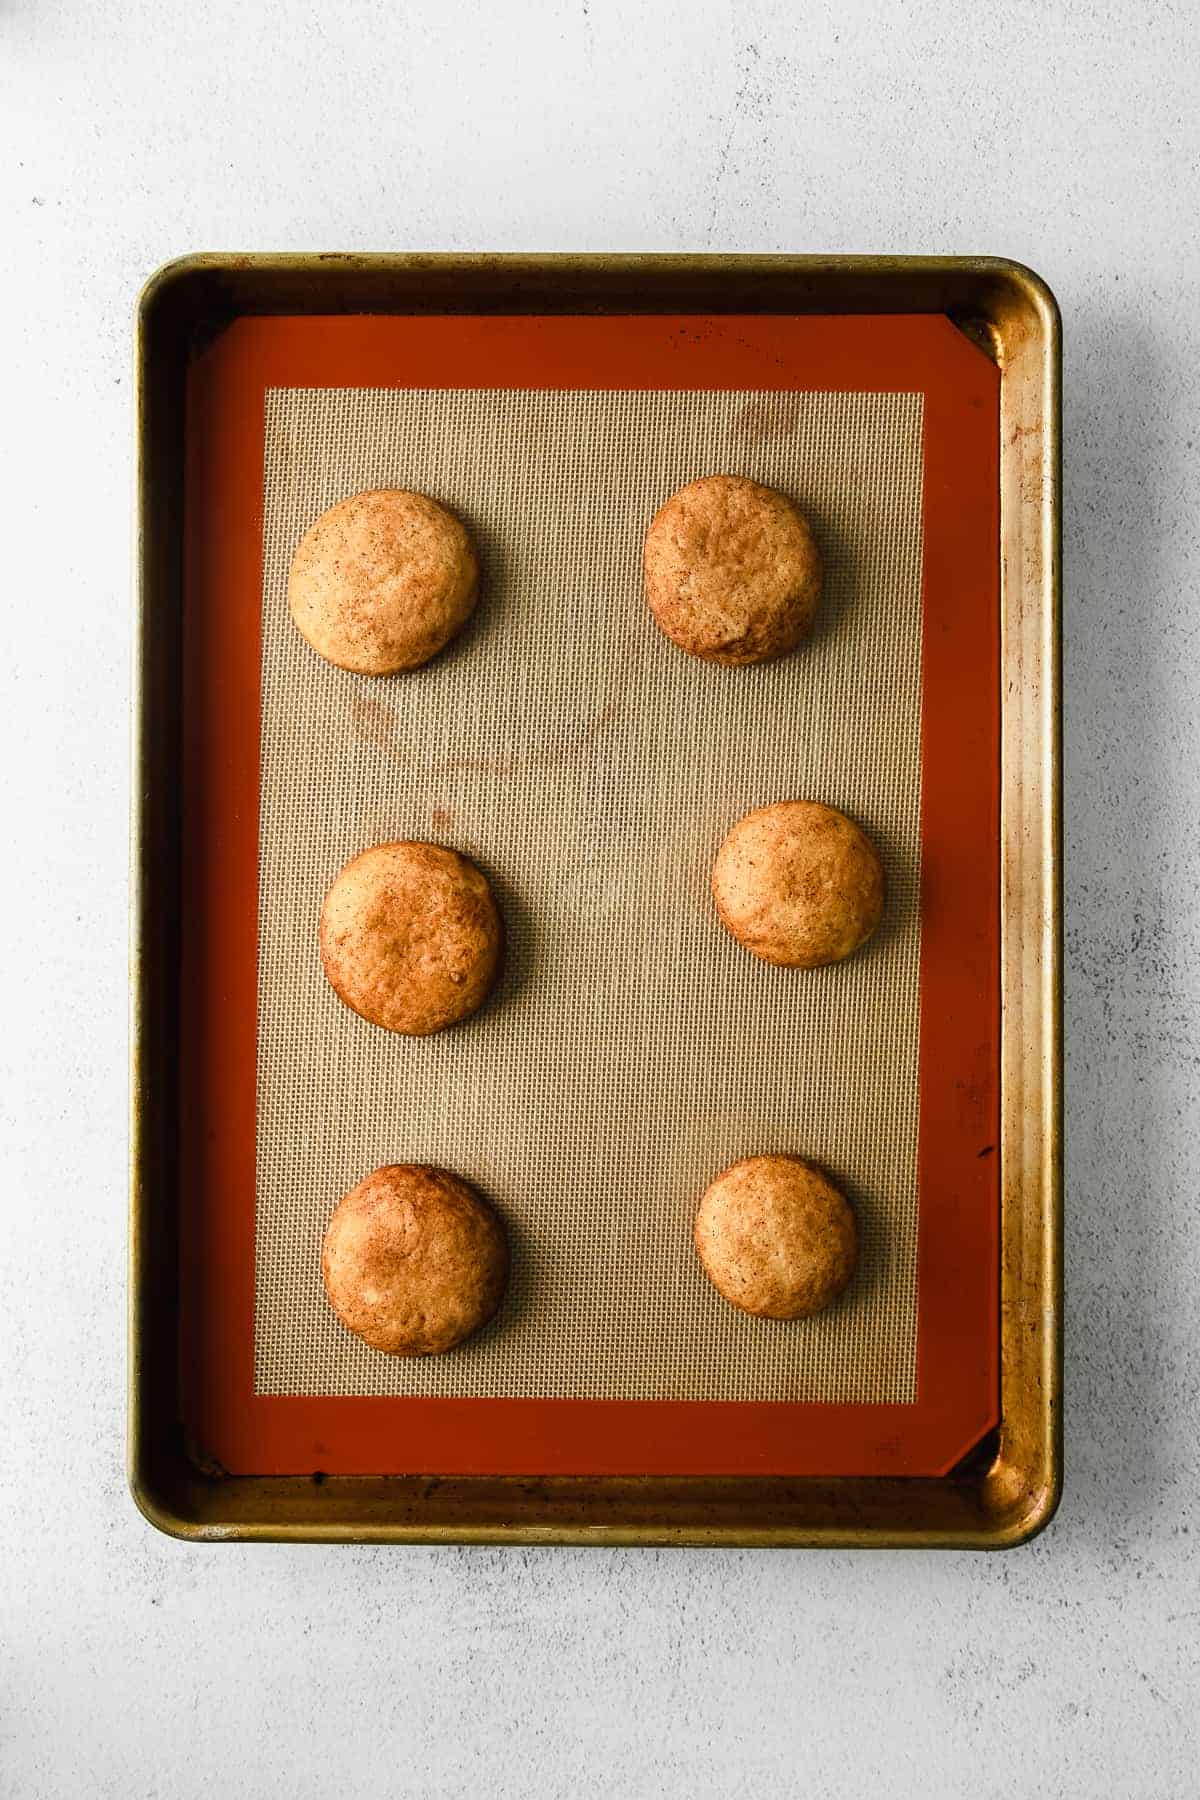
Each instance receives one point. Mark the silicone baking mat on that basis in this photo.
(633, 1049)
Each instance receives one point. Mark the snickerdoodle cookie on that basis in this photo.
(798, 884)
(414, 1260)
(776, 1238)
(382, 581)
(410, 937)
(732, 570)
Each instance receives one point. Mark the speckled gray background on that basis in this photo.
(1061, 134)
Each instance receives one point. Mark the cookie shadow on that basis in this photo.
(876, 1249)
(519, 950)
(521, 1295)
(902, 903)
(492, 605)
(896, 923)
(841, 583)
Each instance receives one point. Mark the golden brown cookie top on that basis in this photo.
(414, 1260)
(798, 884)
(733, 573)
(382, 581)
(776, 1238)
(410, 937)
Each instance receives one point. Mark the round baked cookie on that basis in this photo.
(798, 884)
(382, 581)
(776, 1238)
(410, 937)
(733, 573)
(414, 1260)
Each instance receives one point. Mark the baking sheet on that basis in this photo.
(632, 1050)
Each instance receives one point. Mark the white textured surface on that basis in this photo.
(1061, 134)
